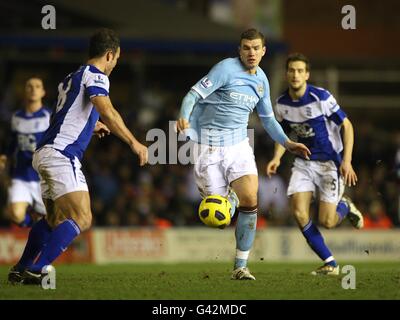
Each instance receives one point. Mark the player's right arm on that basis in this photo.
(188, 103)
(113, 120)
(214, 80)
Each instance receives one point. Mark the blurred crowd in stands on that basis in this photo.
(123, 194)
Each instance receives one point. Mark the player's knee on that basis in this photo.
(15, 215)
(301, 217)
(327, 222)
(84, 221)
(248, 200)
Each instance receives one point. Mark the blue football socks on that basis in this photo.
(342, 210)
(316, 242)
(38, 236)
(27, 222)
(60, 239)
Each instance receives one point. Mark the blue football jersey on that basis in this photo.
(27, 129)
(74, 119)
(229, 94)
(316, 119)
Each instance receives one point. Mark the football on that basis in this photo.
(214, 211)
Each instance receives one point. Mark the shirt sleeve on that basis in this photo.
(266, 114)
(97, 84)
(214, 80)
(332, 110)
(188, 103)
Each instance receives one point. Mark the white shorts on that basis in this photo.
(24, 191)
(317, 175)
(216, 167)
(58, 174)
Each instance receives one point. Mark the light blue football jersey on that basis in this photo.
(73, 121)
(27, 129)
(316, 120)
(229, 94)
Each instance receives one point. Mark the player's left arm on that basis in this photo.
(334, 113)
(274, 129)
(346, 168)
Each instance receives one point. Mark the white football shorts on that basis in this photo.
(216, 167)
(58, 174)
(27, 191)
(321, 176)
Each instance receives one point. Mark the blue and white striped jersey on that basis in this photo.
(73, 121)
(316, 119)
(27, 129)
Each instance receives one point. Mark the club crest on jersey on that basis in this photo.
(206, 83)
(260, 90)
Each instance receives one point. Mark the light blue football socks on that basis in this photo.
(245, 232)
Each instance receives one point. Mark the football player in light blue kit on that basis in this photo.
(83, 96)
(217, 110)
(27, 128)
(313, 114)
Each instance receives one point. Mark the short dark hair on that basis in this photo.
(298, 57)
(252, 34)
(102, 41)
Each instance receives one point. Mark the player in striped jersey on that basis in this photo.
(314, 116)
(83, 97)
(27, 128)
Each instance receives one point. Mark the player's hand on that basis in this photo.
(141, 151)
(347, 171)
(101, 130)
(298, 149)
(182, 124)
(272, 167)
(3, 162)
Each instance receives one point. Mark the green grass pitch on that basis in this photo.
(198, 281)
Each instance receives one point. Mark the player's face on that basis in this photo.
(112, 60)
(297, 75)
(34, 90)
(251, 52)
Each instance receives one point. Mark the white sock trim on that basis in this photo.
(242, 254)
(329, 259)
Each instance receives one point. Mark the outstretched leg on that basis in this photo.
(301, 203)
(38, 236)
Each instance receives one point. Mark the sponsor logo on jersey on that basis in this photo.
(243, 98)
(303, 130)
